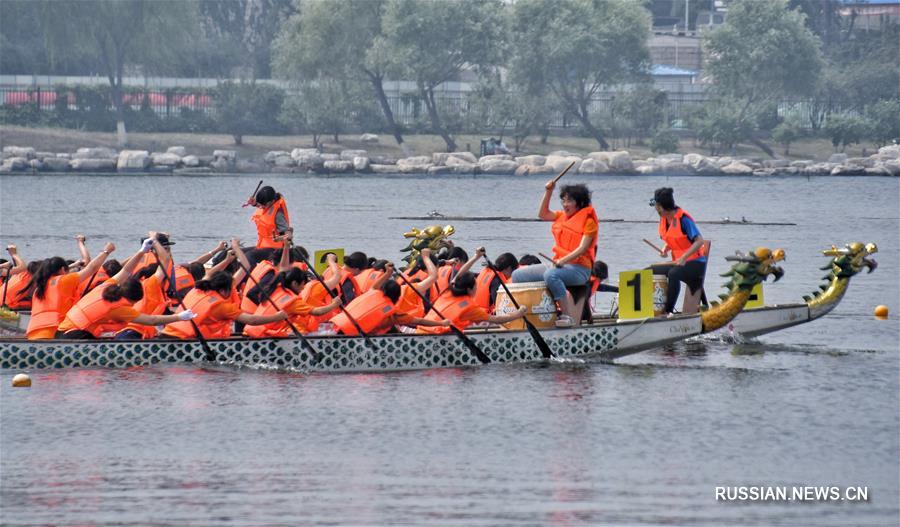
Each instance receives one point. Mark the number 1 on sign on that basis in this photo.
(636, 295)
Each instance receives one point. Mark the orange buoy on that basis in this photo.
(21, 381)
(881, 311)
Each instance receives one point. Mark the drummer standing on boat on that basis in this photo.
(685, 243)
(272, 223)
(574, 231)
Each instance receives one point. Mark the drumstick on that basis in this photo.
(563, 173)
(655, 248)
(548, 259)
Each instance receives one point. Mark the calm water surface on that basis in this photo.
(643, 442)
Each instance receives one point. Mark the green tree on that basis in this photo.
(114, 34)
(786, 132)
(640, 111)
(885, 119)
(432, 42)
(497, 104)
(573, 48)
(762, 54)
(247, 107)
(845, 129)
(338, 39)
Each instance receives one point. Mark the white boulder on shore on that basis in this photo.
(886, 162)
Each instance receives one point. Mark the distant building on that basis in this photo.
(871, 14)
(675, 50)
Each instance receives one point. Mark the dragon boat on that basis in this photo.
(845, 263)
(603, 338)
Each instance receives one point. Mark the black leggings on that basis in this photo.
(691, 273)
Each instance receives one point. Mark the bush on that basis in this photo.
(665, 141)
(786, 133)
(884, 117)
(246, 108)
(846, 129)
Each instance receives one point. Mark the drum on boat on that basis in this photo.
(660, 290)
(533, 295)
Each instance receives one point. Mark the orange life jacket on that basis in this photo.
(90, 313)
(410, 302)
(49, 311)
(306, 294)
(568, 232)
(452, 307)
(16, 295)
(266, 229)
(153, 303)
(201, 303)
(677, 240)
(367, 279)
(94, 280)
(259, 272)
(371, 310)
(345, 276)
(283, 298)
(445, 273)
(483, 287)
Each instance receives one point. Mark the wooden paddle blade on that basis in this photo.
(539, 340)
(471, 345)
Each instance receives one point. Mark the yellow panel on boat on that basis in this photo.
(756, 297)
(319, 258)
(636, 294)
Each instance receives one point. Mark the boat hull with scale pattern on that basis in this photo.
(606, 340)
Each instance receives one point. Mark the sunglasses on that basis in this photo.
(652, 202)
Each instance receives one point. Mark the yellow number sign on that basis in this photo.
(636, 294)
(756, 297)
(319, 259)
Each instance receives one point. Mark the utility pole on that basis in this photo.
(687, 4)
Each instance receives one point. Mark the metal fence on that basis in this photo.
(409, 110)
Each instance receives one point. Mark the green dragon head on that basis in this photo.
(752, 268)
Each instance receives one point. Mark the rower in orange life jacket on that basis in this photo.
(55, 292)
(683, 239)
(210, 300)
(460, 309)
(487, 282)
(574, 232)
(16, 289)
(424, 283)
(316, 295)
(376, 313)
(109, 307)
(284, 291)
(368, 278)
(348, 288)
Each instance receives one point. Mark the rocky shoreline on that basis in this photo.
(175, 160)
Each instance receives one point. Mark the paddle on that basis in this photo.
(655, 248)
(535, 334)
(563, 173)
(359, 328)
(210, 355)
(253, 196)
(458, 332)
(316, 356)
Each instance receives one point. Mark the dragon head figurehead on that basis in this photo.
(850, 259)
(752, 268)
(433, 237)
(846, 262)
(746, 271)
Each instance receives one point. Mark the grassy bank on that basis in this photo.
(65, 140)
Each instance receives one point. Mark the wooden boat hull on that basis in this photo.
(606, 340)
